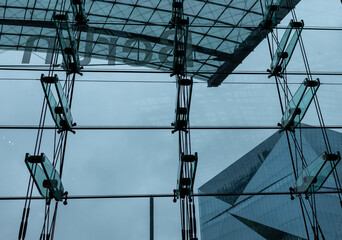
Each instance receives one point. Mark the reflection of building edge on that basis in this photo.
(267, 168)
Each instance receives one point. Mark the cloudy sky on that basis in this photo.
(146, 162)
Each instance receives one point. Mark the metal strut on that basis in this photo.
(187, 160)
(313, 175)
(58, 99)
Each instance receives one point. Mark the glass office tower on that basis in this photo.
(268, 168)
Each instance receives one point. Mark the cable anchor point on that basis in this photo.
(291, 193)
(65, 194)
(174, 195)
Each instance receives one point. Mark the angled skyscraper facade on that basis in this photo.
(268, 168)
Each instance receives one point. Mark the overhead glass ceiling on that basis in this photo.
(222, 33)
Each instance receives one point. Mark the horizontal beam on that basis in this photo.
(30, 127)
(83, 197)
(318, 73)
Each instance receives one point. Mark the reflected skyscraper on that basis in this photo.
(268, 168)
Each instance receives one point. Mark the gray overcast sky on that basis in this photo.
(138, 162)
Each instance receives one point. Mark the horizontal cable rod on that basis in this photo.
(30, 127)
(329, 73)
(89, 66)
(166, 24)
(166, 195)
(164, 82)
(314, 28)
(31, 65)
